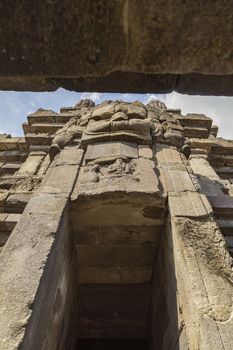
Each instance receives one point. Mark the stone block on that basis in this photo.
(188, 204)
(16, 202)
(111, 150)
(10, 168)
(32, 163)
(208, 179)
(167, 155)
(35, 148)
(222, 205)
(201, 144)
(69, 156)
(22, 146)
(3, 217)
(42, 117)
(9, 144)
(64, 117)
(92, 235)
(224, 172)
(12, 156)
(60, 179)
(115, 275)
(46, 203)
(104, 111)
(196, 132)
(221, 146)
(115, 255)
(38, 139)
(196, 120)
(176, 178)
(4, 235)
(11, 221)
(226, 226)
(145, 151)
(3, 196)
(131, 235)
(36, 128)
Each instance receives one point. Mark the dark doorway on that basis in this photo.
(112, 344)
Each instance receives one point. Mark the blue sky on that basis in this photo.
(15, 106)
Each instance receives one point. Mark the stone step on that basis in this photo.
(67, 109)
(220, 160)
(194, 120)
(43, 117)
(36, 148)
(10, 168)
(49, 128)
(9, 144)
(39, 139)
(16, 202)
(222, 206)
(224, 172)
(196, 132)
(226, 226)
(49, 118)
(221, 146)
(64, 117)
(8, 221)
(12, 156)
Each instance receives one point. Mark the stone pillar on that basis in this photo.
(196, 276)
(36, 265)
(203, 269)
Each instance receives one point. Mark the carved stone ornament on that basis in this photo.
(121, 121)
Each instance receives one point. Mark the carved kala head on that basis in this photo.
(156, 104)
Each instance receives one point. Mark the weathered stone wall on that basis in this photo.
(119, 209)
(132, 46)
(37, 266)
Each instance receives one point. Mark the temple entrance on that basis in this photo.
(112, 344)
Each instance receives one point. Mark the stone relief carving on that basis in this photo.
(167, 128)
(123, 121)
(117, 168)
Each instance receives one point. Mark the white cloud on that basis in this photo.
(219, 108)
(94, 96)
(150, 97)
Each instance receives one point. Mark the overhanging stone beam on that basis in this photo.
(117, 46)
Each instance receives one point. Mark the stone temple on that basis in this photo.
(116, 230)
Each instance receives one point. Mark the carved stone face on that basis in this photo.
(156, 104)
(123, 121)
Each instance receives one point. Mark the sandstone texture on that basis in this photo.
(127, 46)
(116, 222)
